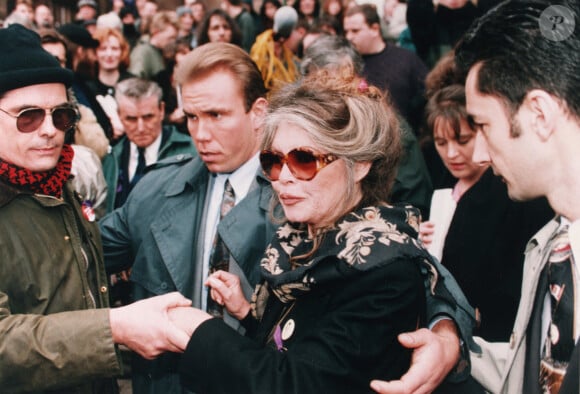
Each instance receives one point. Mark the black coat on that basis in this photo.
(484, 250)
(337, 328)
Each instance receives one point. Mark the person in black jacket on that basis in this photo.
(436, 25)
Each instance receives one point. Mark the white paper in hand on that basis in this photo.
(442, 209)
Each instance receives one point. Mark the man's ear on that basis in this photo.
(544, 111)
(258, 112)
(361, 169)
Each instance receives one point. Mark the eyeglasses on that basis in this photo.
(302, 163)
(30, 119)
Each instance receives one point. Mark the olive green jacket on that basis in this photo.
(54, 329)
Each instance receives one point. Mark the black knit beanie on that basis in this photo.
(24, 62)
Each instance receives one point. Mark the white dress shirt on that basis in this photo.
(151, 153)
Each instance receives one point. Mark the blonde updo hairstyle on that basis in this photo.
(346, 117)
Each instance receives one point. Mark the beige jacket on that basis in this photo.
(500, 368)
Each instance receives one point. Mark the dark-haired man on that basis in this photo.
(523, 98)
(395, 70)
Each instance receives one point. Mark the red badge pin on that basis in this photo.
(88, 211)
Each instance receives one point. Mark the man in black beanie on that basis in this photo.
(56, 330)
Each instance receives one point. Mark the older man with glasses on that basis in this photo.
(56, 330)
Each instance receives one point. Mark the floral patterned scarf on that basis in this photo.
(362, 240)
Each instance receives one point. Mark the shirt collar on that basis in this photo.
(242, 178)
(150, 152)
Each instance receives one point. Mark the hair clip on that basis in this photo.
(363, 86)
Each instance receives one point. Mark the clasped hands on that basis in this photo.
(165, 323)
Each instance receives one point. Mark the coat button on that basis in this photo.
(66, 238)
(103, 289)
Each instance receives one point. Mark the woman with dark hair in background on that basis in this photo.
(308, 10)
(218, 26)
(333, 11)
(267, 11)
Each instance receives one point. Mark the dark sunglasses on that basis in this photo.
(302, 163)
(30, 119)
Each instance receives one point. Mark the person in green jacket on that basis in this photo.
(57, 332)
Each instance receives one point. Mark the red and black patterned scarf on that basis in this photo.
(48, 182)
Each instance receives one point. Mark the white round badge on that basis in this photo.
(288, 329)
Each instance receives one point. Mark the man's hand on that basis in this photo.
(435, 354)
(145, 327)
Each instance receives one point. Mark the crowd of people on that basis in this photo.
(299, 196)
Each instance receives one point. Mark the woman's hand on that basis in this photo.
(426, 231)
(186, 319)
(226, 290)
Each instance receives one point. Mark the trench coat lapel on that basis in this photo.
(246, 229)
